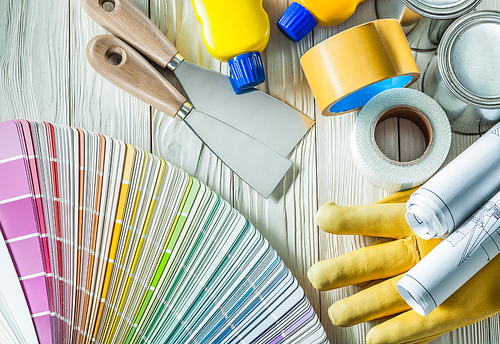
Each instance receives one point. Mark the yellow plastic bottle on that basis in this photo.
(302, 16)
(236, 31)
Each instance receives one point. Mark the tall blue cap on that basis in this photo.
(247, 71)
(296, 22)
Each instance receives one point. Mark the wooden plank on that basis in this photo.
(45, 75)
(95, 103)
(339, 181)
(34, 73)
(176, 142)
(286, 219)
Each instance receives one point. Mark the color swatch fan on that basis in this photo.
(106, 243)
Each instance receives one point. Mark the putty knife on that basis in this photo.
(255, 113)
(258, 165)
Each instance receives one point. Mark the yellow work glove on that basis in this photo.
(378, 267)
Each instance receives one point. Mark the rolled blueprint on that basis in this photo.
(453, 194)
(454, 261)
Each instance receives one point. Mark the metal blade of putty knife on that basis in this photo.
(258, 165)
(261, 116)
(255, 113)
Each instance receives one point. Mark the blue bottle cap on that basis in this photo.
(296, 22)
(247, 71)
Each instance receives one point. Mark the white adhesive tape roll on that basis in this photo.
(419, 109)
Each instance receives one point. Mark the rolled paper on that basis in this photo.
(454, 261)
(453, 194)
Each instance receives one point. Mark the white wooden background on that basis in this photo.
(45, 76)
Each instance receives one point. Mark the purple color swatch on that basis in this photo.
(37, 299)
(17, 219)
(14, 182)
(294, 326)
(15, 223)
(9, 140)
(43, 322)
(27, 253)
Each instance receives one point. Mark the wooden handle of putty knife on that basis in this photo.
(124, 19)
(118, 62)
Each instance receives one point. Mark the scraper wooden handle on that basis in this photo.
(126, 68)
(124, 19)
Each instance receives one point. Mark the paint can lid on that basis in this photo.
(468, 57)
(442, 9)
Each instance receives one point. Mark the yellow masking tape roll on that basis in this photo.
(416, 107)
(348, 69)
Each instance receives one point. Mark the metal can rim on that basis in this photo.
(440, 13)
(445, 61)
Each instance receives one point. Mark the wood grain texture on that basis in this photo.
(34, 60)
(95, 103)
(340, 182)
(125, 67)
(181, 27)
(286, 219)
(174, 141)
(45, 75)
(129, 22)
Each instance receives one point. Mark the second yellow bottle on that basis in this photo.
(302, 16)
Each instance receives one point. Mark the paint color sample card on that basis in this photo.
(105, 243)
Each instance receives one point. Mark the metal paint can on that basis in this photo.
(424, 21)
(464, 75)
(396, 9)
(442, 9)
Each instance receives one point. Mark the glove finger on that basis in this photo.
(365, 264)
(377, 302)
(371, 339)
(369, 284)
(374, 220)
(474, 301)
(398, 197)
(406, 328)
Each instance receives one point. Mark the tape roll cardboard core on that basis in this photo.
(413, 115)
(347, 70)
